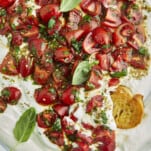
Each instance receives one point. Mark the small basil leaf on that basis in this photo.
(51, 23)
(143, 51)
(119, 74)
(67, 5)
(81, 73)
(25, 125)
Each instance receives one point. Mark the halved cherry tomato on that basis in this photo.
(3, 105)
(104, 61)
(37, 47)
(118, 65)
(94, 79)
(46, 118)
(11, 95)
(112, 18)
(56, 137)
(68, 96)
(41, 75)
(61, 110)
(89, 44)
(25, 66)
(74, 19)
(56, 28)
(134, 15)
(31, 20)
(6, 3)
(101, 36)
(45, 96)
(63, 55)
(113, 82)
(83, 146)
(89, 26)
(30, 32)
(122, 32)
(48, 11)
(8, 65)
(105, 136)
(138, 61)
(95, 102)
(75, 34)
(91, 7)
(17, 38)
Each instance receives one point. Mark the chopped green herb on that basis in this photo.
(13, 26)
(135, 6)
(119, 74)
(2, 12)
(51, 23)
(57, 125)
(29, 10)
(77, 45)
(86, 18)
(106, 46)
(104, 117)
(19, 9)
(5, 93)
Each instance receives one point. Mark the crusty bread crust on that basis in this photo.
(128, 110)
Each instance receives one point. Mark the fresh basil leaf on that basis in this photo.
(81, 73)
(25, 125)
(51, 23)
(119, 74)
(143, 51)
(67, 5)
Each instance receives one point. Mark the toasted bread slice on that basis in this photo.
(128, 110)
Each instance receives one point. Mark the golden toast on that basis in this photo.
(128, 109)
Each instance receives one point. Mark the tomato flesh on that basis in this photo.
(11, 95)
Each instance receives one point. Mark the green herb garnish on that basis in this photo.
(67, 5)
(51, 23)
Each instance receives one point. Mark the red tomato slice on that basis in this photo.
(8, 66)
(17, 38)
(91, 7)
(41, 75)
(113, 82)
(88, 44)
(95, 102)
(104, 61)
(68, 96)
(31, 32)
(48, 11)
(6, 3)
(101, 36)
(25, 67)
(95, 77)
(75, 34)
(46, 118)
(61, 110)
(11, 95)
(45, 96)
(63, 55)
(56, 137)
(112, 18)
(37, 47)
